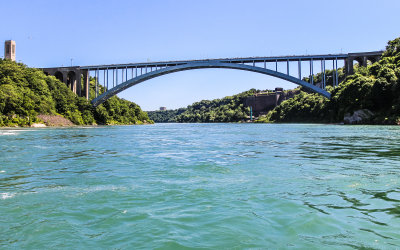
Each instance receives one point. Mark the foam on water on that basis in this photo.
(14, 131)
(4, 196)
(8, 132)
(83, 190)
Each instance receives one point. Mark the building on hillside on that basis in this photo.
(9, 50)
(163, 108)
(261, 103)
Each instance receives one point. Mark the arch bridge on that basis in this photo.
(115, 78)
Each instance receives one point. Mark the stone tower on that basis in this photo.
(9, 50)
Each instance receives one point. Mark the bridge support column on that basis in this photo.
(86, 79)
(65, 77)
(364, 61)
(349, 67)
(73, 82)
(79, 83)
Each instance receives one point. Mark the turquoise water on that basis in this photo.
(174, 186)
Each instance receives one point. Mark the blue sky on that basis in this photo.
(50, 33)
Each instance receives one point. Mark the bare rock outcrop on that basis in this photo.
(358, 117)
(55, 120)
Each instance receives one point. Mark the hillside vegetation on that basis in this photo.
(227, 109)
(165, 116)
(27, 92)
(375, 88)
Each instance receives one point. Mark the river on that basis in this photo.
(175, 186)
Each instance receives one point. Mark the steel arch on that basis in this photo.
(204, 65)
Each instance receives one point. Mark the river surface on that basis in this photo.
(173, 186)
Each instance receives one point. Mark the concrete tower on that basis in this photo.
(9, 50)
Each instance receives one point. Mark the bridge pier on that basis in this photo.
(86, 79)
(71, 76)
(362, 60)
(79, 85)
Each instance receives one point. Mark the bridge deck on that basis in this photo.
(231, 60)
